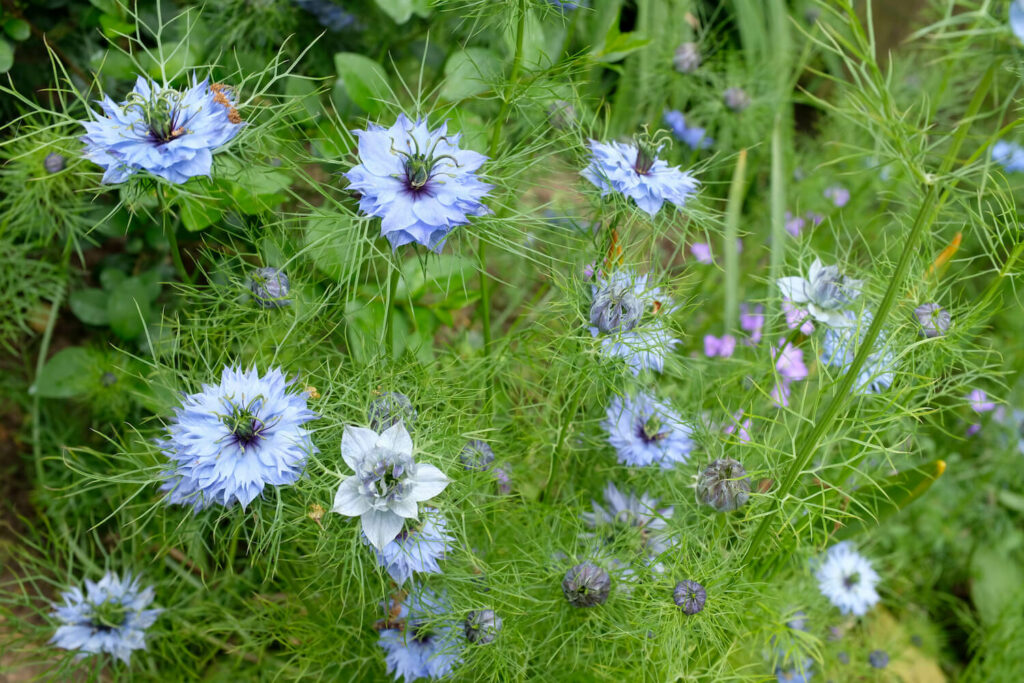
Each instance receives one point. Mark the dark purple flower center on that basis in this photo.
(421, 167)
(852, 580)
(649, 431)
(646, 155)
(245, 427)
(420, 633)
(162, 116)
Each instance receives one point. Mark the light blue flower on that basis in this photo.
(422, 642)
(643, 348)
(417, 549)
(645, 431)
(695, 137)
(847, 579)
(331, 16)
(627, 511)
(1017, 19)
(417, 181)
(635, 171)
(109, 616)
(169, 133)
(1009, 154)
(825, 292)
(638, 333)
(839, 348)
(388, 484)
(232, 439)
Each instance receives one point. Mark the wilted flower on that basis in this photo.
(477, 455)
(270, 287)
(110, 616)
(838, 194)
(690, 597)
(331, 16)
(694, 137)
(387, 485)
(561, 114)
(586, 585)
(645, 431)
(752, 321)
(687, 58)
(628, 511)
(839, 348)
(879, 659)
(722, 347)
(825, 291)
(1009, 154)
(482, 626)
(418, 549)
(389, 409)
(723, 485)
(418, 640)
(847, 579)
(736, 99)
(232, 439)
(418, 181)
(635, 171)
(169, 133)
(702, 252)
(934, 320)
(620, 301)
(54, 162)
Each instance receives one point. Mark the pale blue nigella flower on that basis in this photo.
(825, 292)
(694, 136)
(645, 431)
(109, 616)
(418, 181)
(232, 439)
(630, 321)
(634, 170)
(417, 549)
(1017, 19)
(421, 642)
(839, 348)
(1009, 154)
(169, 133)
(628, 511)
(847, 579)
(388, 484)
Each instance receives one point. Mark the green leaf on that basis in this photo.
(114, 27)
(618, 45)
(71, 372)
(1011, 500)
(995, 578)
(112, 277)
(196, 215)
(364, 80)
(129, 308)
(6, 56)
(893, 494)
(334, 242)
(444, 272)
(18, 29)
(469, 72)
(401, 11)
(90, 306)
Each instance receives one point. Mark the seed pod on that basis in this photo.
(477, 456)
(482, 626)
(723, 485)
(879, 659)
(389, 409)
(736, 99)
(690, 596)
(54, 163)
(270, 286)
(687, 58)
(934, 320)
(586, 585)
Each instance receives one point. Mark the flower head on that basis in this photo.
(723, 346)
(847, 579)
(839, 348)
(387, 485)
(934, 320)
(169, 133)
(979, 401)
(736, 99)
(232, 439)
(586, 585)
(686, 58)
(270, 287)
(645, 431)
(1009, 154)
(109, 616)
(690, 597)
(627, 512)
(878, 659)
(702, 252)
(723, 485)
(620, 301)
(694, 137)
(634, 170)
(482, 626)
(794, 224)
(839, 195)
(642, 341)
(825, 291)
(419, 641)
(752, 321)
(389, 409)
(477, 456)
(797, 317)
(418, 549)
(418, 181)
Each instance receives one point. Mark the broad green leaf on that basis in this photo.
(617, 45)
(335, 243)
(6, 56)
(112, 277)
(444, 273)
(90, 306)
(113, 26)
(995, 578)
(892, 495)
(198, 214)
(364, 80)
(128, 307)
(401, 11)
(18, 29)
(71, 372)
(469, 72)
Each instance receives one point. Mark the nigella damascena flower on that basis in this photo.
(232, 439)
(627, 511)
(643, 348)
(702, 252)
(1009, 154)
(934, 320)
(794, 224)
(109, 616)
(417, 549)
(331, 16)
(878, 659)
(645, 431)
(789, 363)
(586, 585)
(1017, 18)
(482, 626)
(839, 347)
(620, 301)
(825, 292)
(419, 639)
(634, 170)
(167, 132)
(643, 341)
(690, 597)
(388, 484)
(270, 287)
(686, 58)
(847, 579)
(722, 347)
(694, 137)
(736, 99)
(477, 456)
(723, 485)
(389, 409)
(839, 195)
(417, 181)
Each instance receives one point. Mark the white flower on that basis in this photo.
(387, 485)
(826, 292)
(846, 578)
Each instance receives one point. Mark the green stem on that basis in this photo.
(731, 247)
(44, 348)
(172, 237)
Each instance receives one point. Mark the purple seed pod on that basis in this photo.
(687, 58)
(54, 163)
(586, 585)
(482, 626)
(723, 485)
(690, 597)
(389, 409)
(270, 287)
(476, 456)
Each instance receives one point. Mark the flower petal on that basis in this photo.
(428, 482)
(355, 442)
(396, 438)
(793, 288)
(406, 507)
(348, 500)
(381, 527)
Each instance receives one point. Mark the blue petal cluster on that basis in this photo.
(649, 181)
(331, 16)
(417, 550)
(1010, 155)
(423, 643)
(417, 181)
(646, 341)
(646, 431)
(693, 136)
(630, 511)
(109, 616)
(232, 439)
(840, 346)
(169, 133)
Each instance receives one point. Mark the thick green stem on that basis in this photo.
(731, 247)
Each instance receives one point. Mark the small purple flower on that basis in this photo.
(331, 16)
(789, 362)
(418, 549)
(797, 317)
(879, 659)
(933, 319)
(634, 170)
(722, 347)
(838, 194)
(752, 321)
(476, 456)
(815, 218)
(422, 642)
(694, 137)
(794, 224)
(979, 402)
(702, 252)
(504, 481)
(270, 287)
(739, 427)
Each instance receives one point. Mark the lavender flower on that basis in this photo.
(644, 348)
(389, 409)
(794, 224)
(628, 511)
(736, 99)
(421, 642)
(620, 301)
(825, 291)
(839, 348)
(694, 137)
(477, 456)
(169, 133)
(110, 616)
(418, 181)
(752, 321)
(586, 585)
(934, 320)
(723, 485)
(232, 439)
(690, 597)
(789, 363)
(387, 485)
(702, 252)
(642, 343)
(270, 287)
(839, 195)
(418, 549)
(687, 58)
(797, 317)
(722, 347)
(847, 580)
(979, 401)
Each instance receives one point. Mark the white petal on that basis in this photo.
(406, 508)
(348, 500)
(355, 442)
(428, 482)
(381, 527)
(396, 438)
(815, 270)
(794, 289)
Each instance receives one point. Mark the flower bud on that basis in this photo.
(934, 320)
(736, 99)
(687, 58)
(270, 286)
(586, 585)
(616, 307)
(723, 485)
(54, 163)
(690, 596)
(879, 659)
(389, 409)
(482, 626)
(477, 456)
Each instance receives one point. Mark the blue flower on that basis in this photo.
(331, 16)
(631, 318)
(110, 616)
(230, 440)
(169, 133)
(847, 579)
(418, 549)
(793, 675)
(421, 642)
(1010, 155)
(628, 511)
(643, 348)
(695, 137)
(840, 346)
(1017, 19)
(417, 181)
(635, 171)
(646, 431)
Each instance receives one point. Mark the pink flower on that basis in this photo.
(780, 394)
(752, 320)
(838, 194)
(701, 252)
(979, 402)
(815, 218)
(794, 224)
(739, 427)
(797, 317)
(722, 347)
(789, 362)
